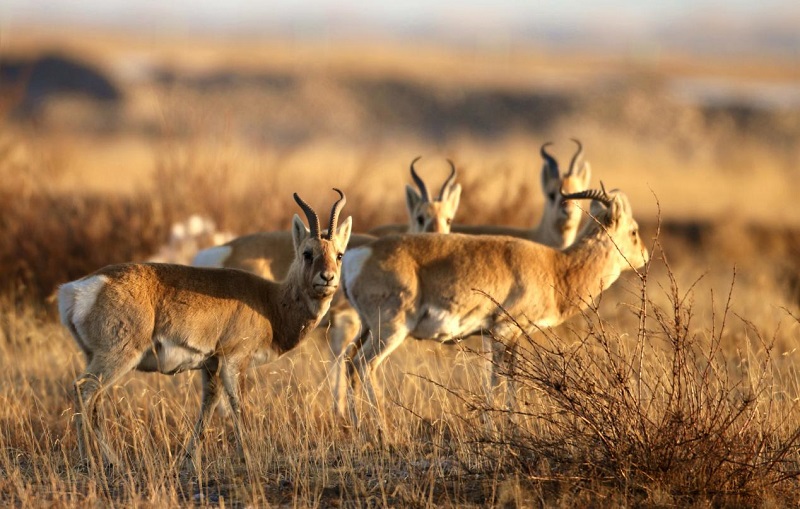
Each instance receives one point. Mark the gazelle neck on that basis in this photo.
(296, 310)
(586, 269)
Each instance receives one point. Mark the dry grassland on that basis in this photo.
(679, 388)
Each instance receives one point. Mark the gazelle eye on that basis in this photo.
(339, 257)
(449, 221)
(420, 220)
(307, 256)
(551, 196)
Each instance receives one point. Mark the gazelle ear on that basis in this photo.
(620, 207)
(550, 177)
(598, 210)
(299, 232)
(343, 232)
(453, 197)
(413, 199)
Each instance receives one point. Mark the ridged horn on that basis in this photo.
(337, 208)
(575, 159)
(449, 181)
(311, 216)
(420, 184)
(590, 194)
(552, 164)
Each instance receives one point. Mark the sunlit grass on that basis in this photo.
(73, 200)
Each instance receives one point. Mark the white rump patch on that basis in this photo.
(212, 257)
(352, 264)
(76, 299)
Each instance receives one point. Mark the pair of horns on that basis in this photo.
(421, 185)
(590, 194)
(313, 219)
(552, 164)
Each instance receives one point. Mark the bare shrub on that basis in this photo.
(662, 414)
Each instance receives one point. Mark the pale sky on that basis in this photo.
(217, 12)
(462, 19)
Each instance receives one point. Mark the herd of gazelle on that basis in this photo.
(256, 297)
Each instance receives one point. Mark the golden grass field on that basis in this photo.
(679, 389)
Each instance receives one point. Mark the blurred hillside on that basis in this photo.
(288, 94)
(730, 126)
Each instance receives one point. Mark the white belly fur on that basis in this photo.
(442, 325)
(169, 358)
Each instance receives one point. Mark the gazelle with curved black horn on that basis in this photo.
(561, 217)
(435, 286)
(426, 214)
(172, 318)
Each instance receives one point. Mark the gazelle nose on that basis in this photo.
(328, 276)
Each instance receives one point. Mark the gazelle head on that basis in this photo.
(563, 216)
(612, 213)
(426, 215)
(318, 258)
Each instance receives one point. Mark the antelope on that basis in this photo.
(424, 214)
(171, 318)
(435, 287)
(269, 254)
(561, 218)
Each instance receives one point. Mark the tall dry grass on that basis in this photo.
(675, 391)
(660, 413)
(646, 400)
(666, 415)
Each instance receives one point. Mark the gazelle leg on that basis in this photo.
(345, 338)
(352, 382)
(230, 381)
(494, 352)
(500, 359)
(212, 391)
(97, 377)
(372, 353)
(511, 365)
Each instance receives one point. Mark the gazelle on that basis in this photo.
(561, 217)
(173, 318)
(424, 214)
(428, 286)
(269, 254)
